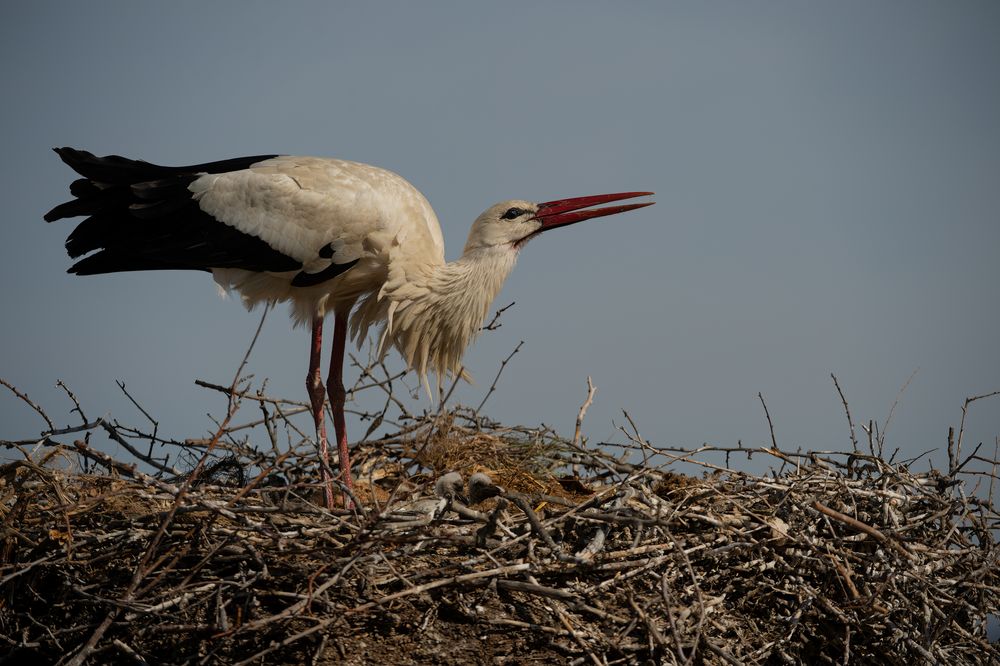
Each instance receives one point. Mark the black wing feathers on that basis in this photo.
(141, 217)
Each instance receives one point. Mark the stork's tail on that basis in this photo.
(141, 217)
(105, 182)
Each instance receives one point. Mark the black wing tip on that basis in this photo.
(68, 155)
(72, 156)
(141, 216)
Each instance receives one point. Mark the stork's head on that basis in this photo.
(512, 223)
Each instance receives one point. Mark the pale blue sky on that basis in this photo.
(827, 178)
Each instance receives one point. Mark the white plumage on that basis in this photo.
(324, 235)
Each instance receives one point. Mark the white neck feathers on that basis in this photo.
(432, 313)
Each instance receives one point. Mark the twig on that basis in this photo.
(29, 402)
(576, 637)
(452, 580)
(495, 323)
(135, 656)
(847, 410)
(246, 357)
(76, 403)
(961, 427)
(770, 425)
(128, 395)
(888, 419)
(591, 390)
(115, 436)
(503, 364)
(867, 529)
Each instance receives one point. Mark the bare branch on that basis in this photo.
(591, 390)
(24, 397)
(847, 410)
(770, 425)
(495, 323)
(503, 364)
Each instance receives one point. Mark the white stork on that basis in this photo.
(322, 234)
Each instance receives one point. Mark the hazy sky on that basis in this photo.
(827, 179)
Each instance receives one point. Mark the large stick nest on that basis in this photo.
(557, 553)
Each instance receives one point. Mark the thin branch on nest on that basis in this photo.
(577, 432)
(503, 364)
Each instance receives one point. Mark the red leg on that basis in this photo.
(314, 385)
(335, 389)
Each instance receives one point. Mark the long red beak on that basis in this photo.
(564, 212)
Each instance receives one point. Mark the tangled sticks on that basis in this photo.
(480, 543)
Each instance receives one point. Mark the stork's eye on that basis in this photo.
(512, 213)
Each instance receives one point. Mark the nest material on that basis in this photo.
(577, 557)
